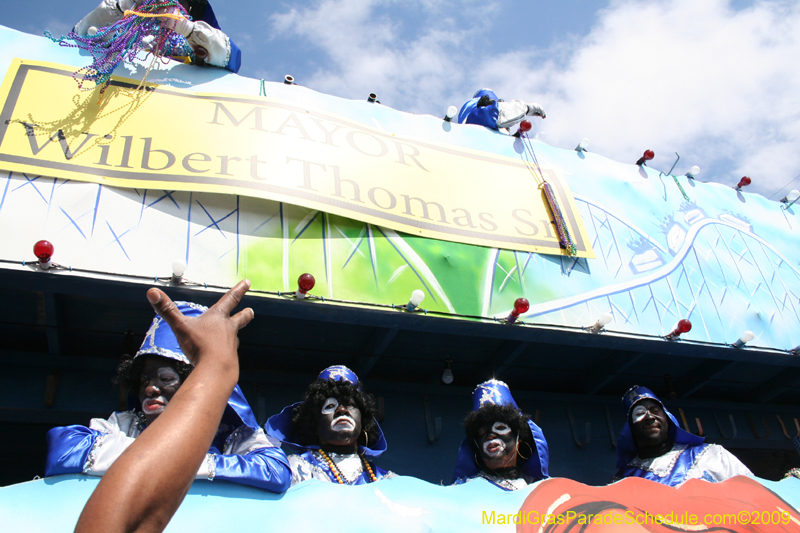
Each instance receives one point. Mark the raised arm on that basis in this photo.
(145, 486)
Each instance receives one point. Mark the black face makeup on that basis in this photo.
(497, 445)
(338, 425)
(649, 423)
(158, 382)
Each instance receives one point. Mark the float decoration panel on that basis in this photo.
(406, 504)
(727, 260)
(159, 137)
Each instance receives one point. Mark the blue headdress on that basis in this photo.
(340, 373)
(497, 392)
(626, 447)
(280, 425)
(486, 116)
(161, 341)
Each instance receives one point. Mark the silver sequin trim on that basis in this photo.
(660, 468)
(157, 350)
(228, 46)
(501, 481)
(193, 305)
(256, 447)
(93, 453)
(212, 466)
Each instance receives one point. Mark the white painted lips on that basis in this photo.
(154, 405)
(494, 447)
(343, 423)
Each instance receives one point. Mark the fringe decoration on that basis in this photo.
(564, 237)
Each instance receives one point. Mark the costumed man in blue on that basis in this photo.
(503, 445)
(486, 109)
(653, 446)
(202, 32)
(240, 453)
(336, 430)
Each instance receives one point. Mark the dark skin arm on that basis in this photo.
(147, 483)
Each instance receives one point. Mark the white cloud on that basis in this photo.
(699, 78)
(371, 52)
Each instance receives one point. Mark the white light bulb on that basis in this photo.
(178, 268)
(416, 297)
(694, 171)
(451, 112)
(793, 195)
(447, 376)
(746, 337)
(604, 319)
(584, 143)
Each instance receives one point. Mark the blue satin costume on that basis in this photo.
(308, 463)
(256, 460)
(532, 469)
(486, 116)
(689, 458)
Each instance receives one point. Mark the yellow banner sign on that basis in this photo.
(165, 138)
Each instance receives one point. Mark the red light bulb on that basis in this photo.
(647, 156)
(43, 250)
(684, 326)
(525, 126)
(521, 305)
(744, 182)
(304, 284)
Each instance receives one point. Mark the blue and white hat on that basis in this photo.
(492, 392)
(280, 426)
(626, 446)
(340, 373)
(161, 341)
(497, 392)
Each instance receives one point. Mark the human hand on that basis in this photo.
(214, 332)
(535, 110)
(177, 22)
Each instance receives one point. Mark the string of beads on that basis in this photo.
(143, 29)
(338, 473)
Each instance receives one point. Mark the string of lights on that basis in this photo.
(44, 251)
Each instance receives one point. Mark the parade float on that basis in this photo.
(421, 236)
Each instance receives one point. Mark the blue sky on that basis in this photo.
(714, 80)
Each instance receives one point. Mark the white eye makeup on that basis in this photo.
(638, 413)
(329, 406)
(500, 428)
